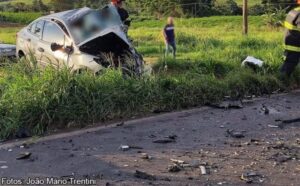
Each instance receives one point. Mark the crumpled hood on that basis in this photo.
(115, 30)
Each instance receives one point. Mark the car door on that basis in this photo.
(36, 34)
(26, 39)
(53, 34)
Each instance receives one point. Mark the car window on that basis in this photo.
(39, 28)
(53, 34)
(32, 27)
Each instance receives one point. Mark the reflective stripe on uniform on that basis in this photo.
(289, 22)
(289, 26)
(292, 48)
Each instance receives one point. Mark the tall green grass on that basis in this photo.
(50, 99)
(22, 1)
(8, 34)
(207, 68)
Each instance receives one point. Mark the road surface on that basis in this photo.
(261, 149)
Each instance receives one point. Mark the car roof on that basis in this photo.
(69, 16)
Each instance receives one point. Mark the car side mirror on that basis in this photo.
(55, 47)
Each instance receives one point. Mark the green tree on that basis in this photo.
(61, 5)
(158, 8)
(279, 4)
(90, 3)
(38, 5)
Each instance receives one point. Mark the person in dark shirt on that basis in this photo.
(122, 12)
(169, 36)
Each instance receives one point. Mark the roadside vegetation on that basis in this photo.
(208, 68)
(19, 17)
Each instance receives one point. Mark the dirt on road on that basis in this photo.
(258, 144)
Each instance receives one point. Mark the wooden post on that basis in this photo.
(245, 17)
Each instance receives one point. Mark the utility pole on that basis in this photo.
(245, 17)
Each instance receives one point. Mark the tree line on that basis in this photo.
(157, 8)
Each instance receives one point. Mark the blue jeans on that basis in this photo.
(170, 46)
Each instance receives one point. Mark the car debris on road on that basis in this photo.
(252, 177)
(144, 175)
(128, 147)
(235, 134)
(23, 155)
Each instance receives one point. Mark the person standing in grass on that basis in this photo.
(169, 36)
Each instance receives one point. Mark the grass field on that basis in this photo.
(208, 67)
(240, 2)
(22, 1)
(8, 34)
(19, 17)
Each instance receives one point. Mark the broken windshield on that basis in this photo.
(93, 23)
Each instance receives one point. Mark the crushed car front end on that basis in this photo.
(101, 34)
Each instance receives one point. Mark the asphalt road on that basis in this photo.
(261, 147)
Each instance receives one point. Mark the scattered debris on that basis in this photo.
(164, 141)
(265, 109)
(168, 139)
(145, 156)
(174, 168)
(24, 155)
(229, 104)
(135, 147)
(177, 161)
(291, 121)
(4, 167)
(281, 158)
(287, 122)
(195, 163)
(273, 126)
(235, 134)
(252, 62)
(152, 136)
(120, 124)
(143, 175)
(203, 170)
(252, 177)
(279, 145)
(172, 137)
(127, 147)
(124, 147)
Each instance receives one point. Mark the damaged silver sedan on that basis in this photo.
(80, 39)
